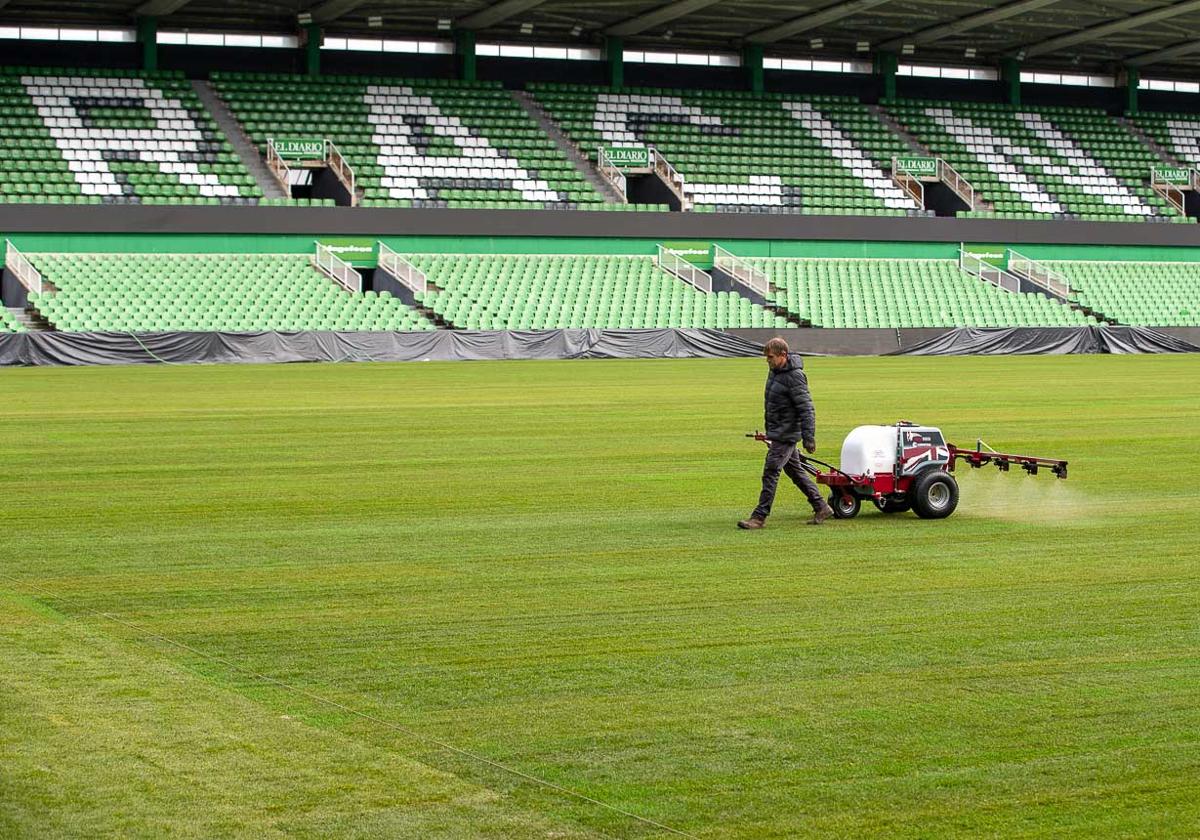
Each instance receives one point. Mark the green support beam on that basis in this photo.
(147, 35)
(1010, 75)
(312, 49)
(886, 65)
(614, 53)
(752, 60)
(1132, 77)
(464, 52)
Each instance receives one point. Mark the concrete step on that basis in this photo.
(569, 148)
(1150, 143)
(242, 144)
(29, 319)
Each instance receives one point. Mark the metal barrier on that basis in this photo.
(679, 267)
(741, 271)
(342, 169)
(278, 167)
(23, 269)
(910, 184)
(340, 271)
(404, 271)
(615, 177)
(961, 187)
(670, 176)
(987, 272)
(1038, 274)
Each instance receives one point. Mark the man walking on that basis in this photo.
(789, 417)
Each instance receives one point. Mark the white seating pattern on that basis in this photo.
(1184, 140)
(996, 152)
(849, 155)
(1081, 170)
(612, 117)
(84, 146)
(404, 164)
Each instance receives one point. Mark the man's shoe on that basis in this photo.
(821, 515)
(753, 523)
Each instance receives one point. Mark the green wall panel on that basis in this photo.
(292, 244)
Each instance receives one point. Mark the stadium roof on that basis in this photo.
(1160, 36)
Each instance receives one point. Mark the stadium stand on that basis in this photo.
(412, 143)
(539, 292)
(110, 136)
(1140, 293)
(739, 151)
(238, 293)
(1055, 163)
(1177, 134)
(904, 293)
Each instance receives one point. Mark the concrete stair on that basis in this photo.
(569, 148)
(30, 319)
(246, 150)
(1150, 143)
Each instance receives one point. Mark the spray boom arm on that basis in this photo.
(977, 458)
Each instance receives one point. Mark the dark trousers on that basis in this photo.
(783, 457)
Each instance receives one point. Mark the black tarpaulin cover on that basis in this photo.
(54, 348)
(1047, 341)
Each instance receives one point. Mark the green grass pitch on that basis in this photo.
(537, 563)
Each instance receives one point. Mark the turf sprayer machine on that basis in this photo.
(907, 467)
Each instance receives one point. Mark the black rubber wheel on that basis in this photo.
(844, 507)
(891, 505)
(934, 494)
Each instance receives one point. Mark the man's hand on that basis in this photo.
(810, 446)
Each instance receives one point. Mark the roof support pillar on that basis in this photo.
(147, 36)
(614, 54)
(1010, 75)
(1132, 76)
(886, 65)
(752, 61)
(464, 53)
(312, 49)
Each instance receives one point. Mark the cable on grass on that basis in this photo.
(317, 698)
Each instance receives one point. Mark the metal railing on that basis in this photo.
(987, 272)
(338, 270)
(670, 176)
(404, 271)
(342, 169)
(611, 173)
(741, 271)
(677, 266)
(959, 185)
(279, 168)
(1038, 274)
(910, 184)
(23, 269)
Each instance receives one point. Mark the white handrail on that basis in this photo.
(741, 271)
(340, 271)
(404, 271)
(961, 187)
(278, 167)
(22, 269)
(987, 272)
(1049, 279)
(341, 167)
(672, 177)
(611, 173)
(679, 267)
(912, 185)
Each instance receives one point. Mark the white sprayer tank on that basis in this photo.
(869, 450)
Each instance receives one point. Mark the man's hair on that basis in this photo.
(776, 347)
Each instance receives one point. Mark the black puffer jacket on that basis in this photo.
(788, 413)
